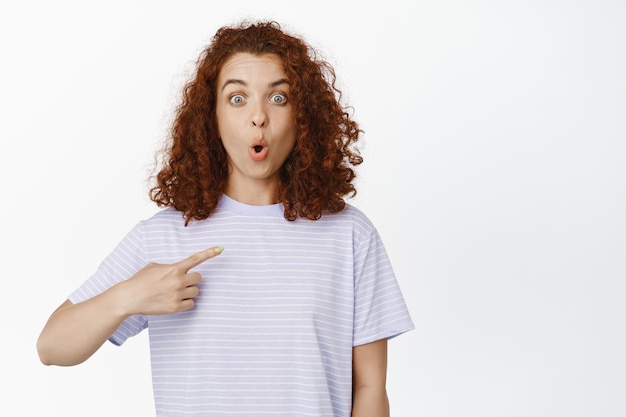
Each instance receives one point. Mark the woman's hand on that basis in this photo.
(75, 331)
(165, 288)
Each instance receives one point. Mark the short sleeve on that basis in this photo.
(380, 311)
(123, 262)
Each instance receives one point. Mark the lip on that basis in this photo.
(262, 154)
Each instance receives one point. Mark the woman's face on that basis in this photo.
(255, 119)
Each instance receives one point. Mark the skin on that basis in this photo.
(74, 332)
(369, 378)
(253, 109)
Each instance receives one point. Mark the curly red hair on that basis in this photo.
(318, 173)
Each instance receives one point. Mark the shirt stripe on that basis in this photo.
(272, 331)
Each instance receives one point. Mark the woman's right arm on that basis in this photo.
(74, 332)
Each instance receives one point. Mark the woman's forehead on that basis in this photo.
(244, 68)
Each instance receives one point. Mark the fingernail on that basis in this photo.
(218, 249)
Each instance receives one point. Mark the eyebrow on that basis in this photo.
(242, 82)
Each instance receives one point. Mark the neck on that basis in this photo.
(254, 194)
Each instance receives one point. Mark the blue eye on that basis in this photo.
(236, 99)
(278, 98)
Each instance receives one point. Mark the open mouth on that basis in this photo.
(258, 152)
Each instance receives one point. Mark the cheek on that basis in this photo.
(224, 116)
(227, 125)
(289, 127)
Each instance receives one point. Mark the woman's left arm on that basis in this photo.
(369, 379)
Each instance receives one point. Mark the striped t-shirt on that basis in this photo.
(279, 311)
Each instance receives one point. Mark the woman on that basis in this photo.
(289, 310)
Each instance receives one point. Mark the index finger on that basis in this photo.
(199, 257)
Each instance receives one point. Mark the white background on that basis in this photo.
(494, 170)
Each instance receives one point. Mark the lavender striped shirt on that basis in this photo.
(278, 313)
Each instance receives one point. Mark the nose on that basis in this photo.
(258, 117)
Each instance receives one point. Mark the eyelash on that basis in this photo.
(283, 95)
(232, 97)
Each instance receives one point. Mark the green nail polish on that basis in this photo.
(219, 249)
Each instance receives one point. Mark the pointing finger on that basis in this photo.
(199, 257)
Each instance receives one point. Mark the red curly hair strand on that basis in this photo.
(318, 173)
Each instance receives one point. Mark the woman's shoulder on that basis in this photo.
(164, 218)
(356, 216)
